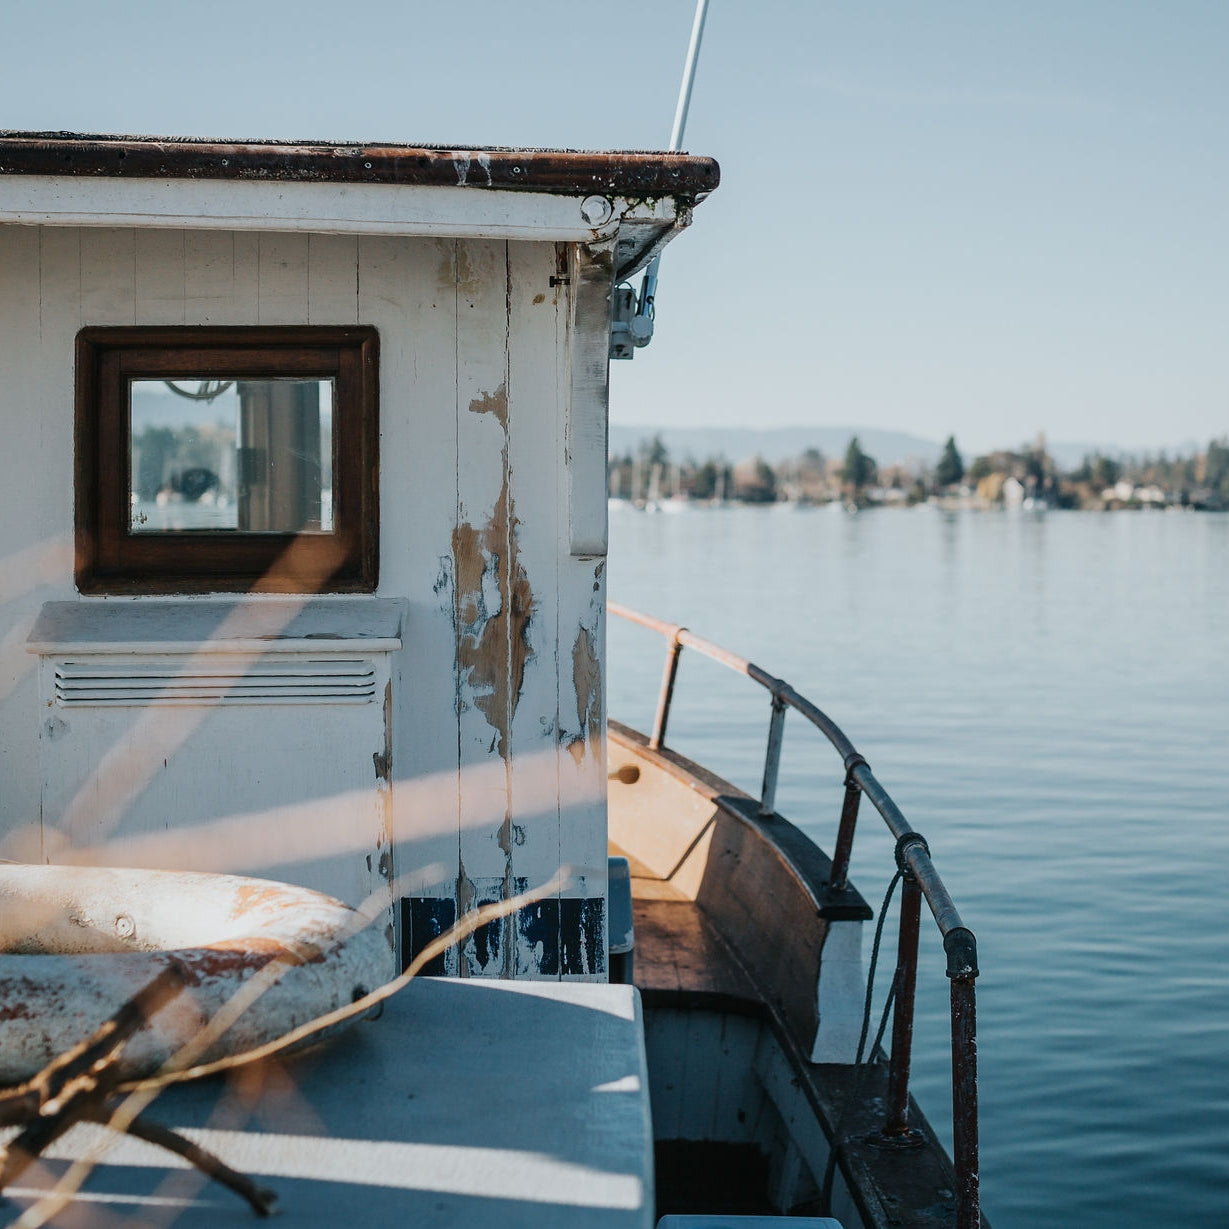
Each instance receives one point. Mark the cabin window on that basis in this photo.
(226, 459)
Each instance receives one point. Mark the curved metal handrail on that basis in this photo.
(920, 880)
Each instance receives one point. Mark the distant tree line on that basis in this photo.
(649, 473)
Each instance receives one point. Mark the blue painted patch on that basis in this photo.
(553, 938)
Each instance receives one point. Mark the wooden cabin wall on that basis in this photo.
(498, 766)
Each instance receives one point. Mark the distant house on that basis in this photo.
(754, 481)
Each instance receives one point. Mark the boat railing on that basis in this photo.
(919, 879)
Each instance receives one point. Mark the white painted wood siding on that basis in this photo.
(476, 390)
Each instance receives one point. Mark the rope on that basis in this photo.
(870, 977)
(825, 1196)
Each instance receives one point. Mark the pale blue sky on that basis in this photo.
(989, 218)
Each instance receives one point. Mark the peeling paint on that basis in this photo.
(587, 681)
(493, 606)
(383, 760)
(549, 938)
(467, 896)
(494, 403)
(456, 269)
(463, 164)
(466, 893)
(504, 836)
(493, 601)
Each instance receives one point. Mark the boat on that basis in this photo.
(373, 667)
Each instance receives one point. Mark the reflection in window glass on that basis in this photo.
(245, 456)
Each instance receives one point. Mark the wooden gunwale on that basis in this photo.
(695, 961)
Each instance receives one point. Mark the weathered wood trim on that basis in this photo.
(647, 173)
(580, 635)
(424, 212)
(587, 430)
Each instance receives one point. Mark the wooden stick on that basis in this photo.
(260, 1198)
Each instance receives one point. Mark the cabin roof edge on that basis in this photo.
(626, 173)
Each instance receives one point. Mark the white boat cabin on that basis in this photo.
(304, 519)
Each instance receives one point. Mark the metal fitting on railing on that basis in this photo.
(852, 761)
(904, 843)
(960, 946)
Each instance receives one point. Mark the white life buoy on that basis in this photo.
(78, 942)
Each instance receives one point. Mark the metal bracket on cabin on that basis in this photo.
(630, 328)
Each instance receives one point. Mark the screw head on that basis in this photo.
(596, 210)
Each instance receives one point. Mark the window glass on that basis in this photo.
(237, 455)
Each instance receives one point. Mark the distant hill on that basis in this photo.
(777, 443)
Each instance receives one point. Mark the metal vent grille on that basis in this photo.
(212, 679)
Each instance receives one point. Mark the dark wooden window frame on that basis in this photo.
(111, 559)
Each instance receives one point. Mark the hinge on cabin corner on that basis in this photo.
(560, 281)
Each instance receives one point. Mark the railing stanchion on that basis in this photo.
(772, 757)
(897, 1124)
(843, 849)
(964, 1103)
(667, 691)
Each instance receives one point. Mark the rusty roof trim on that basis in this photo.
(634, 174)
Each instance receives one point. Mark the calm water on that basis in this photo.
(1047, 698)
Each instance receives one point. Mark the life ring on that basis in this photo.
(78, 942)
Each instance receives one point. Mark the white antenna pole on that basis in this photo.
(648, 291)
(689, 76)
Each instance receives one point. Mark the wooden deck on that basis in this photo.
(680, 954)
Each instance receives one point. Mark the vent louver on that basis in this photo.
(212, 679)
